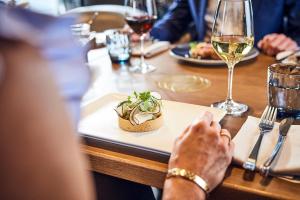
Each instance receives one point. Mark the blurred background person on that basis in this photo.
(43, 48)
(276, 23)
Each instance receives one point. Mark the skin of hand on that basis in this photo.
(202, 150)
(274, 43)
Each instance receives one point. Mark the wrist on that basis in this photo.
(190, 176)
(179, 188)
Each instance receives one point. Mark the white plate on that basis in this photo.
(180, 52)
(100, 120)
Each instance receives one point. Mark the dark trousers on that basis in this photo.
(112, 188)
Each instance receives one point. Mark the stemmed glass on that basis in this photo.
(232, 38)
(140, 15)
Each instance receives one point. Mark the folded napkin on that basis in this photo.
(153, 49)
(291, 59)
(287, 162)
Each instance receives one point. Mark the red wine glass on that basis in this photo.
(140, 15)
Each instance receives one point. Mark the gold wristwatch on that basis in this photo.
(177, 172)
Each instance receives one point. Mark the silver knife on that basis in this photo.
(284, 127)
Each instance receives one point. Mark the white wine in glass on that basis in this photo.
(232, 39)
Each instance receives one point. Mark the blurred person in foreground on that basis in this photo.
(276, 23)
(42, 79)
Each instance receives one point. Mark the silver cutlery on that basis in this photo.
(290, 54)
(266, 124)
(284, 127)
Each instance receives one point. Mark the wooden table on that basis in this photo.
(249, 87)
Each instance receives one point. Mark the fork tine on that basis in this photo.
(263, 116)
(274, 115)
(268, 114)
(271, 119)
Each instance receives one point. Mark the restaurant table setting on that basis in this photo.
(278, 153)
(231, 50)
(287, 161)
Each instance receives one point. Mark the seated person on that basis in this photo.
(276, 24)
(40, 153)
(51, 40)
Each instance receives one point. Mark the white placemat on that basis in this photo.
(100, 120)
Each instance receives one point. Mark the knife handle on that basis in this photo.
(267, 164)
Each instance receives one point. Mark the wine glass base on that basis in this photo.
(231, 107)
(142, 68)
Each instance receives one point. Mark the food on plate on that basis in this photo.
(203, 50)
(140, 112)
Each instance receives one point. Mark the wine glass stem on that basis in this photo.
(142, 50)
(230, 78)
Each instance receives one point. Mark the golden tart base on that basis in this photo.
(144, 127)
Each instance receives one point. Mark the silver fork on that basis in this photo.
(266, 124)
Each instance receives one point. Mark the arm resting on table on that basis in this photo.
(174, 23)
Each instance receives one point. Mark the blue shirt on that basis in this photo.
(270, 16)
(53, 37)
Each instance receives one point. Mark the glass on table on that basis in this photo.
(232, 39)
(82, 32)
(284, 89)
(140, 16)
(118, 45)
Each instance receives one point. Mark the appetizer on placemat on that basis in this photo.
(140, 112)
(202, 50)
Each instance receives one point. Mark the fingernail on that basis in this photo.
(197, 120)
(202, 117)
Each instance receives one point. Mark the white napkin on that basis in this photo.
(287, 162)
(153, 49)
(293, 59)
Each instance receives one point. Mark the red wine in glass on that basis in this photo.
(140, 15)
(140, 24)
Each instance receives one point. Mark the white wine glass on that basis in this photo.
(140, 16)
(232, 38)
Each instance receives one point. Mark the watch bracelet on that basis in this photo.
(190, 176)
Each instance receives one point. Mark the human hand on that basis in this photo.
(204, 149)
(274, 43)
(201, 149)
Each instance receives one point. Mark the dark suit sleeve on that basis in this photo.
(174, 23)
(293, 20)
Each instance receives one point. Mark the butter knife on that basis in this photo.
(284, 127)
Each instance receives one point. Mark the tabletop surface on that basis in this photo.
(249, 87)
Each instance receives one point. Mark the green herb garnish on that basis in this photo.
(146, 105)
(193, 45)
